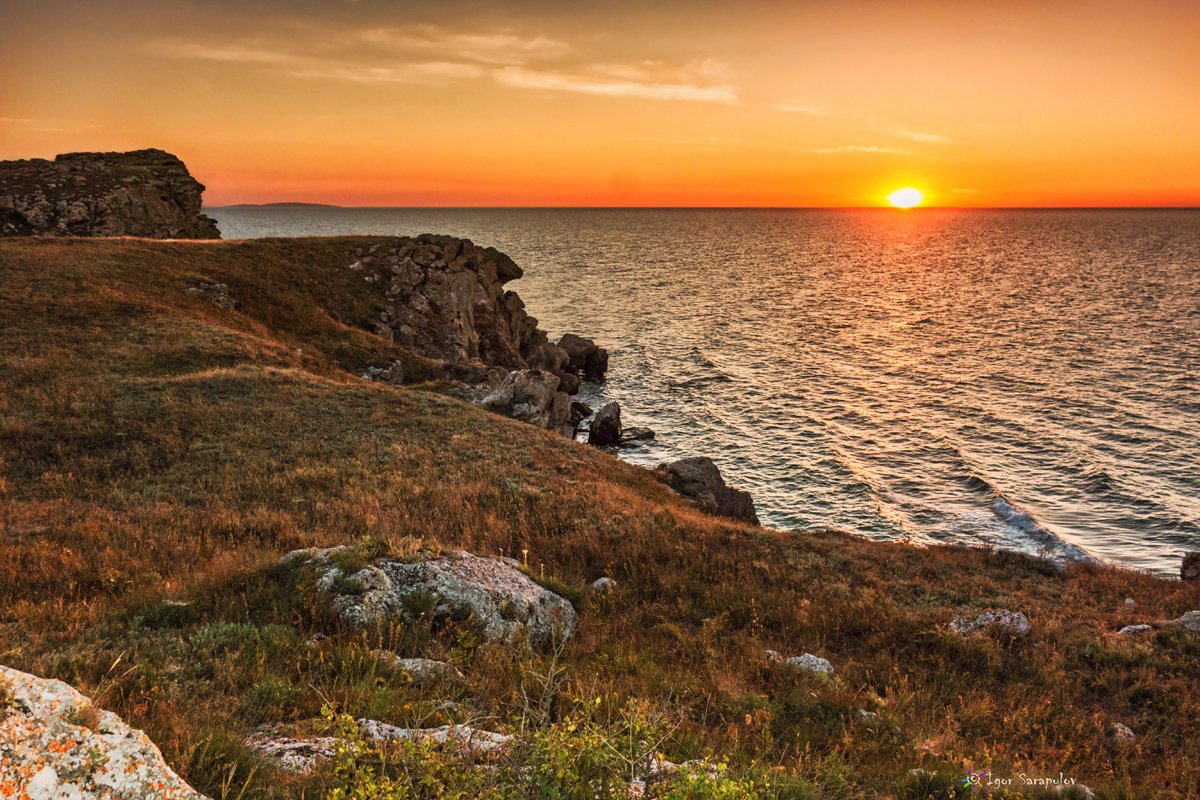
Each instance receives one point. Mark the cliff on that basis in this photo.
(146, 193)
(161, 451)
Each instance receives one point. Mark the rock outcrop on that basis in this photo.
(606, 425)
(700, 480)
(506, 605)
(146, 193)
(1012, 622)
(584, 357)
(55, 744)
(532, 396)
(417, 671)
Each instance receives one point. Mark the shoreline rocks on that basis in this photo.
(699, 479)
(606, 426)
(1189, 570)
(146, 193)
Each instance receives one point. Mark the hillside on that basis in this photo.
(159, 454)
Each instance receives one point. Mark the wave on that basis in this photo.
(1021, 520)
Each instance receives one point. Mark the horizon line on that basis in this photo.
(301, 205)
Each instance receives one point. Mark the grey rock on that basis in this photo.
(532, 396)
(1133, 630)
(810, 663)
(1189, 570)
(1013, 622)
(701, 481)
(461, 737)
(48, 754)
(1189, 621)
(146, 193)
(215, 293)
(1122, 732)
(1129, 602)
(294, 755)
(602, 586)
(418, 671)
(506, 604)
(634, 434)
(606, 425)
(862, 715)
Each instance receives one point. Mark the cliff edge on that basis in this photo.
(147, 193)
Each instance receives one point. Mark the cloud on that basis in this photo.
(310, 67)
(497, 47)
(427, 54)
(617, 80)
(714, 143)
(859, 148)
(797, 107)
(920, 137)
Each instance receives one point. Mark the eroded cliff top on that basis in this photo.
(147, 193)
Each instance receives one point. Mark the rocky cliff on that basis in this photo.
(146, 193)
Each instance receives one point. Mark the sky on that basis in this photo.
(621, 103)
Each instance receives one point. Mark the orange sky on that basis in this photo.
(544, 102)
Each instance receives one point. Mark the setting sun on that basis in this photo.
(906, 198)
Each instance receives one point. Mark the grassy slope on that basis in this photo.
(155, 449)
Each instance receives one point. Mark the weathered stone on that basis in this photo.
(1012, 622)
(810, 663)
(602, 586)
(294, 755)
(532, 396)
(141, 193)
(503, 602)
(1133, 630)
(215, 293)
(418, 671)
(567, 382)
(606, 425)
(701, 481)
(635, 434)
(463, 738)
(1189, 621)
(584, 356)
(1122, 732)
(1189, 570)
(55, 744)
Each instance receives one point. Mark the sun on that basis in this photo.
(906, 197)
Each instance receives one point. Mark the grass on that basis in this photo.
(158, 456)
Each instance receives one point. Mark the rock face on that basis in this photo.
(145, 193)
(700, 480)
(55, 744)
(1013, 622)
(585, 358)
(532, 396)
(606, 426)
(1190, 569)
(507, 606)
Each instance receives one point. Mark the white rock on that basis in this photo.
(810, 663)
(506, 604)
(294, 755)
(1014, 622)
(603, 585)
(462, 737)
(866, 716)
(1130, 630)
(1129, 602)
(47, 750)
(1189, 621)
(1123, 732)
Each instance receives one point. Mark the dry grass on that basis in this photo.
(158, 455)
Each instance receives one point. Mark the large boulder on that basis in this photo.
(506, 604)
(146, 193)
(55, 744)
(585, 357)
(606, 425)
(533, 396)
(701, 481)
(1190, 569)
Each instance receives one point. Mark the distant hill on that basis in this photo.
(280, 205)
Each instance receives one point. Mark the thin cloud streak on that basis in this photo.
(858, 148)
(920, 137)
(499, 47)
(521, 78)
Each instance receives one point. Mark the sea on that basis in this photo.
(1020, 379)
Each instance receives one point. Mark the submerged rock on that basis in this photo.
(701, 481)
(635, 434)
(55, 744)
(606, 425)
(1013, 622)
(506, 604)
(146, 193)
